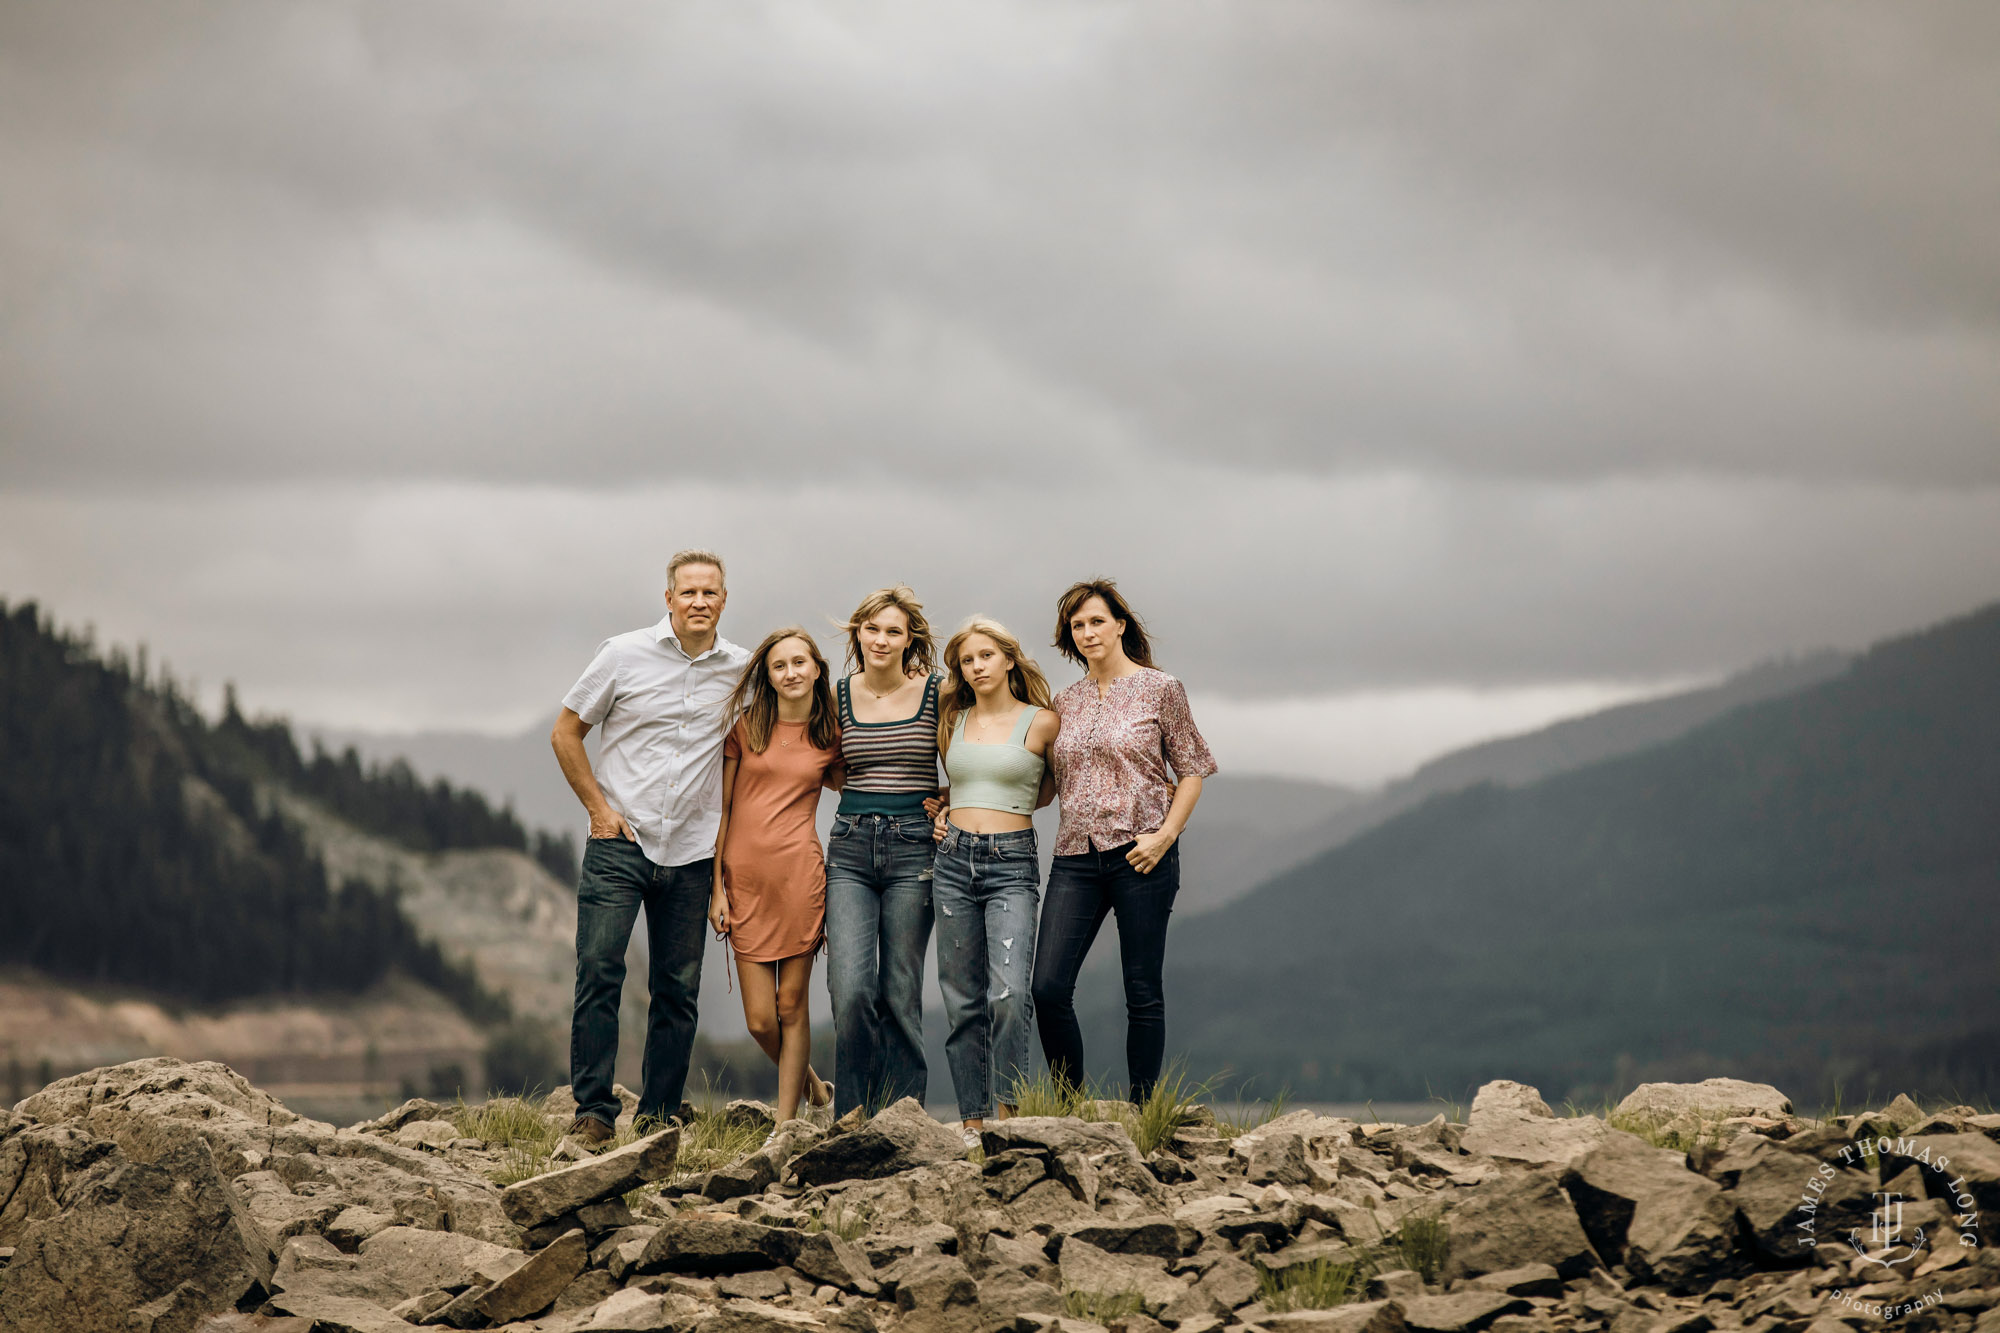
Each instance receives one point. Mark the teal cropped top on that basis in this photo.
(1000, 775)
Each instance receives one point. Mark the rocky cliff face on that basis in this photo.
(166, 1197)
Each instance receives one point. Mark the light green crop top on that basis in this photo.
(1000, 775)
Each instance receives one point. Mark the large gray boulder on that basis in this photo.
(1768, 1187)
(151, 1222)
(1086, 1268)
(1510, 1122)
(1517, 1219)
(900, 1137)
(37, 1162)
(542, 1199)
(535, 1285)
(1642, 1206)
(1708, 1101)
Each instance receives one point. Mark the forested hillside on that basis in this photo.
(1801, 891)
(134, 850)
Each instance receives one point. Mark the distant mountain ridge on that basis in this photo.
(1800, 891)
(1248, 828)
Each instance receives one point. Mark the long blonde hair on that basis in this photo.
(957, 696)
(920, 656)
(755, 698)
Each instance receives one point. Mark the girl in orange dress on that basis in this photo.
(769, 898)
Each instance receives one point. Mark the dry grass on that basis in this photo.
(1319, 1285)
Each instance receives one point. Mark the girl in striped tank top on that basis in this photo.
(878, 857)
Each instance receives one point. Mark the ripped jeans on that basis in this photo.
(985, 889)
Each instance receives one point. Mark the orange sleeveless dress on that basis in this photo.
(772, 868)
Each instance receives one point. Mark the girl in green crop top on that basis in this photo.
(996, 731)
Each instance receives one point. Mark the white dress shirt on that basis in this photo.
(664, 714)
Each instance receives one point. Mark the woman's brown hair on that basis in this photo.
(755, 698)
(921, 655)
(1137, 646)
(1024, 679)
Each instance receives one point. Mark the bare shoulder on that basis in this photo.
(1044, 728)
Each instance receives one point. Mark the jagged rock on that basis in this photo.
(138, 1223)
(433, 1134)
(932, 1282)
(828, 1258)
(337, 1314)
(755, 1317)
(278, 1212)
(636, 1311)
(899, 1137)
(1277, 1159)
(36, 1164)
(1323, 1135)
(417, 1261)
(536, 1284)
(1159, 1237)
(1084, 1267)
(1505, 1099)
(751, 1114)
(759, 1284)
(1052, 1136)
(1973, 1159)
(1712, 1099)
(351, 1226)
(1641, 1206)
(1399, 1284)
(1527, 1280)
(1460, 1312)
(418, 1308)
(1510, 1122)
(708, 1243)
(1768, 1185)
(543, 1198)
(416, 1108)
(1518, 1219)
(1362, 1317)
(1018, 1293)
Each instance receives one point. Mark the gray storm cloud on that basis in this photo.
(474, 240)
(376, 354)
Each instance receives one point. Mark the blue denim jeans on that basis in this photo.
(987, 891)
(878, 925)
(617, 881)
(1083, 890)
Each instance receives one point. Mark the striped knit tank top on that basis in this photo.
(891, 766)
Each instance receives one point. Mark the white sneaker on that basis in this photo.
(971, 1137)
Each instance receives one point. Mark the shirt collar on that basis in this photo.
(663, 634)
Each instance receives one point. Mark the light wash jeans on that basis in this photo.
(986, 901)
(878, 926)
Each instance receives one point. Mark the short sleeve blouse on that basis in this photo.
(1118, 759)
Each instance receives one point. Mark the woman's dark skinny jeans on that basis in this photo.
(1082, 891)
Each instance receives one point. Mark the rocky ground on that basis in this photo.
(163, 1197)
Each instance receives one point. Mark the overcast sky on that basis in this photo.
(1423, 372)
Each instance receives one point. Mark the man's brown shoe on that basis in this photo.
(591, 1132)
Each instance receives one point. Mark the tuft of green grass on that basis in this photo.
(711, 1140)
(1169, 1107)
(1656, 1132)
(1102, 1307)
(1252, 1115)
(845, 1220)
(1048, 1094)
(524, 1132)
(1319, 1285)
(1423, 1240)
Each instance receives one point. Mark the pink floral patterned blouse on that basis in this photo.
(1117, 759)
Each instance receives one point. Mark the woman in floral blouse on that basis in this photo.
(1128, 767)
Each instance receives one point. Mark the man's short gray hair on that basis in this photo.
(695, 555)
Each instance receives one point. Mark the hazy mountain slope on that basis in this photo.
(1516, 760)
(1802, 887)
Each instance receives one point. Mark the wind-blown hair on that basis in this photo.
(921, 655)
(755, 698)
(1137, 646)
(957, 696)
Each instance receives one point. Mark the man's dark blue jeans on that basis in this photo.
(1083, 890)
(617, 881)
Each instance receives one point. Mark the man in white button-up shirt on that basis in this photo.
(655, 804)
